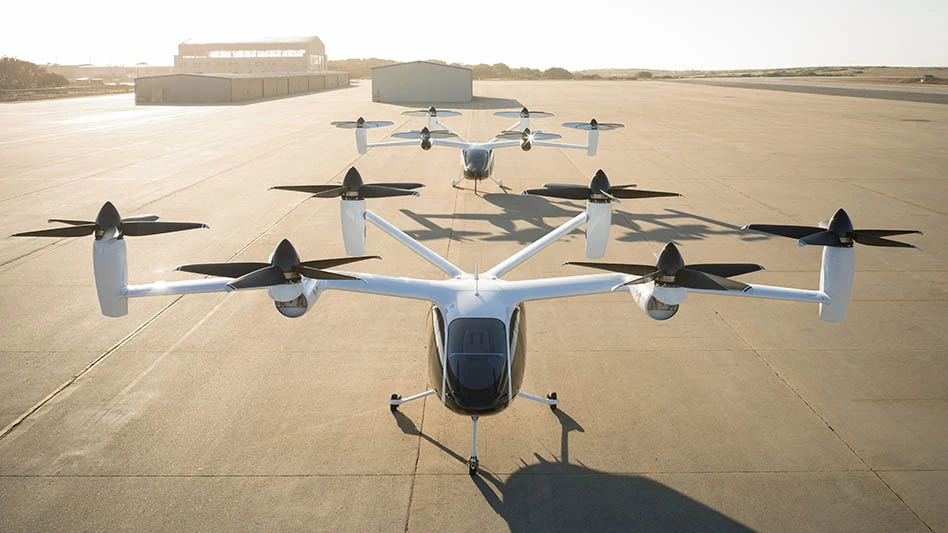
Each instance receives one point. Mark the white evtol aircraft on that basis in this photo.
(477, 158)
(477, 347)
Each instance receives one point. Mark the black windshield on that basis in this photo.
(477, 362)
(475, 160)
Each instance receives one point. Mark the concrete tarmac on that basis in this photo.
(214, 412)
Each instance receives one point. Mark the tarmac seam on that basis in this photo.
(896, 198)
(414, 471)
(49, 397)
(451, 474)
(824, 421)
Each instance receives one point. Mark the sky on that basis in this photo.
(676, 35)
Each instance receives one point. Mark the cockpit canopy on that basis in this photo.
(477, 161)
(477, 362)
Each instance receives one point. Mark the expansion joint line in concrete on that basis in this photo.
(414, 471)
(823, 420)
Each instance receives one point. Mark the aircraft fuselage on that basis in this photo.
(477, 163)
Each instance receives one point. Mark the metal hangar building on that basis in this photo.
(422, 82)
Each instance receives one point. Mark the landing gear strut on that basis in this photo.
(472, 462)
(397, 400)
(549, 400)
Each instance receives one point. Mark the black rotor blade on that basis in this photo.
(638, 193)
(401, 185)
(330, 193)
(223, 270)
(877, 232)
(644, 279)
(629, 186)
(71, 222)
(441, 134)
(140, 218)
(692, 279)
(311, 189)
(381, 191)
(321, 264)
(571, 192)
(139, 229)
(726, 270)
(265, 277)
(622, 268)
(794, 232)
(315, 273)
(872, 240)
(68, 231)
(823, 238)
(558, 185)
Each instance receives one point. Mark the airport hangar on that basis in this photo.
(422, 81)
(236, 72)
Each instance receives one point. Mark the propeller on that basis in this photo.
(594, 125)
(599, 190)
(523, 113)
(353, 188)
(284, 267)
(431, 112)
(424, 135)
(527, 136)
(838, 232)
(361, 123)
(670, 271)
(108, 217)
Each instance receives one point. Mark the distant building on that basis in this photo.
(109, 72)
(422, 82)
(299, 54)
(229, 88)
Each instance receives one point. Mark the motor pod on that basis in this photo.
(836, 280)
(647, 295)
(110, 265)
(353, 226)
(598, 222)
(526, 145)
(297, 306)
(425, 144)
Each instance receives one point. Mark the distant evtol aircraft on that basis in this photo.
(476, 328)
(477, 158)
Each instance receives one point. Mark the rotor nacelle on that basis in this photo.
(647, 300)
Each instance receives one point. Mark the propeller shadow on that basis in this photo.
(543, 215)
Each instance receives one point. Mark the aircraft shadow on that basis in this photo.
(663, 226)
(559, 496)
(478, 102)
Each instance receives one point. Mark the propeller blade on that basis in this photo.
(634, 270)
(823, 238)
(321, 264)
(629, 186)
(607, 126)
(223, 270)
(872, 240)
(510, 134)
(381, 191)
(544, 136)
(311, 189)
(794, 232)
(692, 279)
(586, 126)
(644, 279)
(637, 193)
(353, 124)
(68, 231)
(578, 125)
(264, 277)
(314, 273)
(400, 185)
(141, 218)
(558, 185)
(726, 270)
(570, 192)
(878, 232)
(330, 193)
(441, 134)
(139, 229)
(411, 134)
(71, 222)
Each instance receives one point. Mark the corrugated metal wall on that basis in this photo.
(223, 89)
(422, 82)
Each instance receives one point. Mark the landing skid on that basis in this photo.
(549, 400)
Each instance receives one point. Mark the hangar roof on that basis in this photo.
(425, 62)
